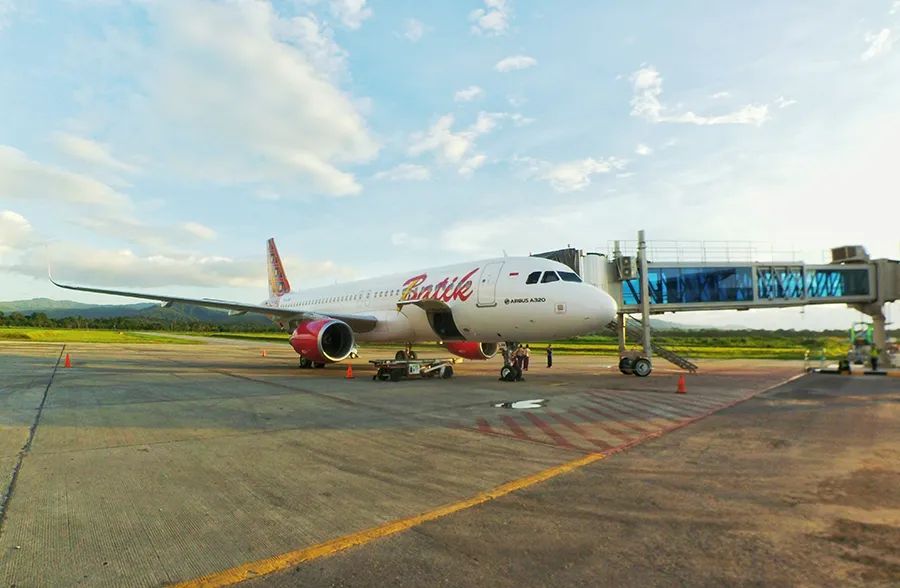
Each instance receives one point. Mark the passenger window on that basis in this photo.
(550, 277)
(533, 278)
(569, 277)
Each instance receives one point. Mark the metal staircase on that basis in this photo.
(634, 327)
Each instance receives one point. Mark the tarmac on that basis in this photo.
(149, 465)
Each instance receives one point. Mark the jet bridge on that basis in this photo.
(716, 282)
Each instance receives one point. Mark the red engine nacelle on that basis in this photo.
(323, 341)
(472, 349)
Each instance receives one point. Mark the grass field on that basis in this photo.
(726, 347)
(84, 336)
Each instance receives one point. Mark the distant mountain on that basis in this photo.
(57, 309)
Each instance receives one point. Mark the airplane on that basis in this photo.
(470, 308)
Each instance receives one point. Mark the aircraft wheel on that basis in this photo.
(447, 372)
(642, 367)
(304, 363)
(626, 365)
(400, 355)
(508, 373)
(396, 374)
(318, 365)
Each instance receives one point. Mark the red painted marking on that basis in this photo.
(608, 429)
(685, 423)
(567, 423)
(514, 427)
(676, 403)
(622, 409)
(638, 403)
(548, 430)
(484, 426)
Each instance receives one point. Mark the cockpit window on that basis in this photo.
(533, 278)
(550, 277)
(569, 277)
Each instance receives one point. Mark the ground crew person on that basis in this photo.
(873, 356)
(527, 357)
(549, 355)
(520, 361)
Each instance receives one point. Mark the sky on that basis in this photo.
(158, 144)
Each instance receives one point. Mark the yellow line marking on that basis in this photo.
(292, 558)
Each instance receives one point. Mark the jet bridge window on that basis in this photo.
(549, 277)
(533, 278)
(569, 277)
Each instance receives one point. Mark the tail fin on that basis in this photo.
(278, 282)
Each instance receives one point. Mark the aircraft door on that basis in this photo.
(487, 285)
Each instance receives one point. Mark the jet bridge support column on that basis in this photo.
(645, 294)
(620, 332)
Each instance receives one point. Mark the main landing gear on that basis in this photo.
(406, 353)
(306, 364)
(510, 372)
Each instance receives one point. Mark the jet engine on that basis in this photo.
(323, 341)
(471, 349)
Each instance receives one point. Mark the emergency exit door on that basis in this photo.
(487, 284)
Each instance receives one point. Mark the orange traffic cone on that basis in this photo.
(263, 353)
(682, 386)
(349, 375)
(68, 363)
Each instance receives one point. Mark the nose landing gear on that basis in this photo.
(406, 353)
(510, 372)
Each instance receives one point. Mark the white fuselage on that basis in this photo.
(489, 301)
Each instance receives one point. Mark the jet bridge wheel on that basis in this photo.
(642, 367)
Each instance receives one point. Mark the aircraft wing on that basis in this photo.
(357, 322)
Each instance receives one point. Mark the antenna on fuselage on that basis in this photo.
(505, 254)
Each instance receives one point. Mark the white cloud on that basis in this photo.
(455, 147)
(198, 230)
(7, 8)
(413, 29)
(468, 94)
(14, 230)
(469, 166)
(782, 102)
(407, 240)
(895, 7)
(26, 179)
(493, 19)
(238, 77)
(267, 195)
(351, 13)
(90, 152)
(515, 62)
(642, 149)
(124, 268)
(719, 95)
(316, 42)
(404, 172)
(570, 176)
(879, 44)
(645, 103)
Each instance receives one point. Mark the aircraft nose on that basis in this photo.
(605, 308)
